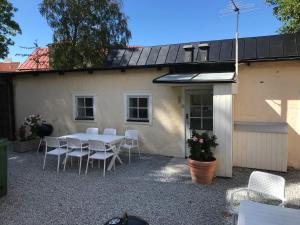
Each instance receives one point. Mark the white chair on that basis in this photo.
(131, 141)
(57, 150)
(92, 130)
(76, 149)
(99, 151)
(110, 131)
(262, 183)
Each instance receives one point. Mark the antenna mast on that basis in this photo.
(237, 10)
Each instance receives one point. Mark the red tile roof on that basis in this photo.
(8, 66)
(38, 60)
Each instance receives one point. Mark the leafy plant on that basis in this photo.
(8, 27)
(28, 130)
(201, 146)
(84, 30)
(288, 12)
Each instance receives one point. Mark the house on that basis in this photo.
(37, 60)
(8, 66)
(166, 91)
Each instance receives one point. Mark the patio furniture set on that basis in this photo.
(254, 213)
(93, 146)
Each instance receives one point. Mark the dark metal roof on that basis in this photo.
(275, 47)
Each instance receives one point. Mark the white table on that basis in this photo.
(107, 139)
(253, 213)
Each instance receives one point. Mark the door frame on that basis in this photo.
(185, 90)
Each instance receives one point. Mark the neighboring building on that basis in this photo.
(166, 91)
(38, 60)
(8, 66)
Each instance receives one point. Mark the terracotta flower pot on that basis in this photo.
(202, 172)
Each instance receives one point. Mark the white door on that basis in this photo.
(198, 112)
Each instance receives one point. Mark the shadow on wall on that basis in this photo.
(271, 96)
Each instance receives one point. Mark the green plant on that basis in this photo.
(201, 146)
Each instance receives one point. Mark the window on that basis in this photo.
(201, 112)
(84, 107)
(138, 108)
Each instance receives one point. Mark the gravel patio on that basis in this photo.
(156, 188)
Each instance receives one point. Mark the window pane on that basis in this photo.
(81, 112)
(89, 102)
(80, 102)
(133, 102)
(195, 111)
(195, 124)
(195, 99)
(207, 111)
(207, 124)
(143, 113)
(207, 100)
(89, 112)
(143, 102)
(133, 113)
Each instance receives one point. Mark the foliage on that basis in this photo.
(201, 146)
(28, 130)
(288, 12)
(84, 30)
(8, 27)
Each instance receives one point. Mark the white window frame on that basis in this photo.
(84, 95)
(126, 107)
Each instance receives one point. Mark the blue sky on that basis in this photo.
(154, 22)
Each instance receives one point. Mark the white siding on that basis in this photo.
(223, 128)
(260, 149)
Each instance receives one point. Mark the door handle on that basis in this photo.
(187, 116)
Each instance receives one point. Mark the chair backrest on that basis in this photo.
(97, 145)
(73, 143)
(110, 131)
(266, 183)
(92, 130)
(132, 135)
(52, 142)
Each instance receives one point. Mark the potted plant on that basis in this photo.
(202, 163)
(27, 136)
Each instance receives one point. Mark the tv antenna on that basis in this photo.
(236, 7)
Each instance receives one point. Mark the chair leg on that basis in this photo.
(139, 151)
(80, 165)
(98, 164)
(87, 165)
(58, 162)
(44, 162)
(129, 155)
(66, 160)
(104, 164)
(71, 160)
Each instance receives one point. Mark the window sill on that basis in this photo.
(139, 122)
(85, 120)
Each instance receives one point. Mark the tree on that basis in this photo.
(288, 12)
(8, 27)
(84, 30)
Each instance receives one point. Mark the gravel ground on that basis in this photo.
(156, 188)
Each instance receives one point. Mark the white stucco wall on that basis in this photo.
(51, 96)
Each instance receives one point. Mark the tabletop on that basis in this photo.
(253, 213)
(97, 137)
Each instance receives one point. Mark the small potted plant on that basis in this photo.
(27, 136)
(202, 163)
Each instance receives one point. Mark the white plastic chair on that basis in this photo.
(76, 149)
(110, 131)
(99, 151)
(57, 149)
(92, 130)
(131, 141)
(262, 183)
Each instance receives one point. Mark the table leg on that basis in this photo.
(116, 156)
